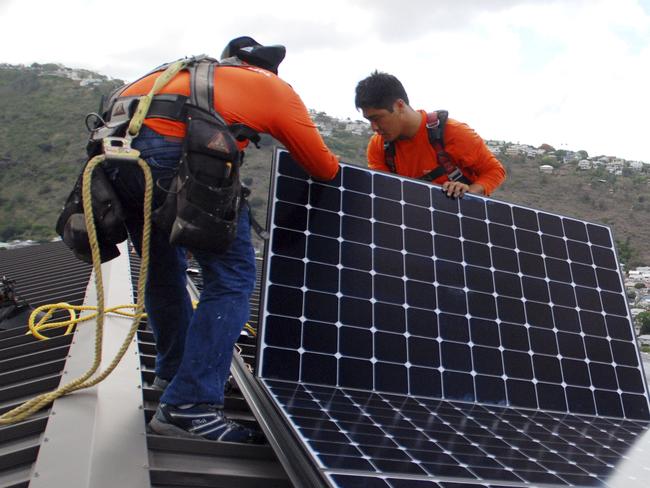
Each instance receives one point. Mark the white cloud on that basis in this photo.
(571, 73)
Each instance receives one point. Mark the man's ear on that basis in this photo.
(399, 105)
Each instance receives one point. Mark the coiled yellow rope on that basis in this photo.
(35, 404)
(86, 380)
(37, 328)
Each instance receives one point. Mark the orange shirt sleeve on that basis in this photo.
(375, 154)
(472, 155)
(294, 128)
(260, 100)
(268, 104)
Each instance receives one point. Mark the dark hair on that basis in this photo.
(379, 90)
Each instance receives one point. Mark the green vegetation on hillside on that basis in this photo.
(42, 148)
(42, 140)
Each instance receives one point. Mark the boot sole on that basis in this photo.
(165, 428)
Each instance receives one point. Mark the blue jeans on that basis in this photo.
(194, 347)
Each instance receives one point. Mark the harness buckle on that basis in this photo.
(455, 175)
(119, 148)
(433, 125)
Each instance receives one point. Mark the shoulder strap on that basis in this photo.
(389, 156)
(174, 107)
(436, 122)
(202, 86)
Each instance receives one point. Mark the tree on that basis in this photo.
(625, 251)
(643, 321)
(551, 160)
(583, 154)
(547, 148)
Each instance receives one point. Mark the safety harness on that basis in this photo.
(118, 109)
(101, 218)
(205, 196)
(435, 123)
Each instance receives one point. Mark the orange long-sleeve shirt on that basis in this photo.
(416, 157)
(262, 101)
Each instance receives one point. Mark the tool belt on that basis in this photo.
(108, 217)
(205, 197)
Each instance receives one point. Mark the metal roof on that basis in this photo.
(43, 274)
(98, 436)
(82, 446)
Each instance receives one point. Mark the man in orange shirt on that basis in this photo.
(402, 145)
(194, 348)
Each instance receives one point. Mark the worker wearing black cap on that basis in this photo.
(194, 347)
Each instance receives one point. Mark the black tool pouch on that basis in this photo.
(202, 208)
(108, 216)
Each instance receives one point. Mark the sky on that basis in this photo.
(574, 74)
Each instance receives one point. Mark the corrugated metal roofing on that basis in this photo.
(49, 273)
(43, 274)
(188, 462)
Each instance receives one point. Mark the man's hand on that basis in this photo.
(456, 189)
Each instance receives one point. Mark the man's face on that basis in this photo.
(384, 122)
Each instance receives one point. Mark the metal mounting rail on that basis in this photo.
(294, 459)
(290, 453)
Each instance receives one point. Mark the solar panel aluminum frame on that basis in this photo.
(285, 442)
(329, 472)
(270, 223)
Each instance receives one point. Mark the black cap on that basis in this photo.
(249, 50)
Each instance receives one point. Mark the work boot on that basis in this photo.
(201, 421)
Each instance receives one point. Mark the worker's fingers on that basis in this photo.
(454, 189)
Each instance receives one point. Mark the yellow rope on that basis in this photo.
(35, 329)
(145, 101)
(42, 325)
(86, 380)
(35, 404)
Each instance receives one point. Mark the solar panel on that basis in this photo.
(465, 323)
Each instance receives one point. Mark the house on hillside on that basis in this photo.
(644, 340)
(546, 168)
(357, 127)
(615, 167)
(584, 164)
(324, 127)
(570, 156)
(495, 146)
(521, 149)
(636, 165)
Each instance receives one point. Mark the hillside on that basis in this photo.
(42, 140)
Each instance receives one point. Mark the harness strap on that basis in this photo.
(389, 154)
(435, 124)
(144, 103)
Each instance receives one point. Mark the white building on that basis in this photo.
(636, 165)
(644, 340)
(584, 164)
(357, 127)
(640, 273)
(546, 168)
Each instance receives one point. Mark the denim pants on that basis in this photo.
(194, 347)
